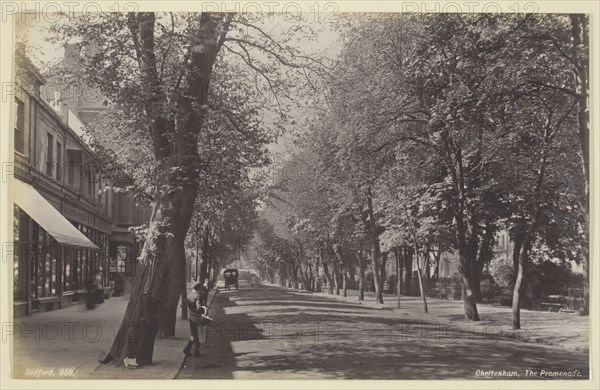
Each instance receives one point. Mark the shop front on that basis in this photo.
(53, 258)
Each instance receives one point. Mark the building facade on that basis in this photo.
(67, 223)
(86, 103)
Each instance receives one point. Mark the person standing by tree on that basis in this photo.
(196, 300)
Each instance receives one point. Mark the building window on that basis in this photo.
(49, 154)
(71, 162)
(105, 205)
(89, 173)
(74, 162)
(92, 182)
(19, 126)
(58, 161)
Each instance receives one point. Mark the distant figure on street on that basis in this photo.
(196, 301)
(99, 287)
(95, 291)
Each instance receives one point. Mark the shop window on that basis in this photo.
(34, 259)
(67, 276)
(68, 269)
(122, 252)
(20, 253)
(47, 285)
(76, 270)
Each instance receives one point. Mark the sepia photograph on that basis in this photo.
(298, 191)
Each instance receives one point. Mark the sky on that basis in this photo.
(45, 53)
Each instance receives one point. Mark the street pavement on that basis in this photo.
(264, 331)
(568, 330)
(66, 343)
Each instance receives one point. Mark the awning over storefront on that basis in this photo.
(49, 218)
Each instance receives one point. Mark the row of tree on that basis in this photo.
(439, 132)
(435, 132)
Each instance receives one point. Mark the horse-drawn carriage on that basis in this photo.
(231, 278)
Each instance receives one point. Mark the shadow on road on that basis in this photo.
(268, 332)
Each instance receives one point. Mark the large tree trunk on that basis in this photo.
(334, 268)
(282, 275)
(522, 261)
(464, 269)
(176, 281)
(476, 281)
(197, 236)
(295, 276)
(352, 275)
(484, 256)
(326, 273)
(585, 308)
(421, 289)
(416, 248)
(516, 303)
(328, 278)
(305, 275)
(427, 270)
(579, 32)
(465, 222)
(303, 279)
(211, 261)
(312, 278)
(205, 255)
(580, 38)
(383, 275)
(344, 266)
(159, 276)
(361, 277)
(335, 276)
(375, 249)
(398, 275)
(174, 140)
(519, 253)
(184, 308)
(376, 276)
(408, 262)
(217, 270)
(436, 271)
